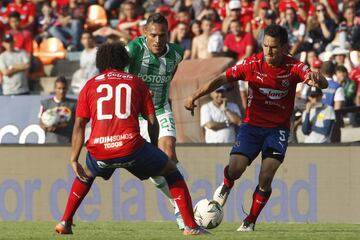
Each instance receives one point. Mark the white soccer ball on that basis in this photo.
(208, 214)
(50, 117)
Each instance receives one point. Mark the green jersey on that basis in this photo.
(156, 72)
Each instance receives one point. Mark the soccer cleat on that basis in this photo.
(63, 227)
(179, 221)
(246, 227)
(221, 194)
(195, 231)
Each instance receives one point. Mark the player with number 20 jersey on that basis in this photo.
(113, 100)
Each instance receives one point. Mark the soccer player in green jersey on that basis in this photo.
(155, 60)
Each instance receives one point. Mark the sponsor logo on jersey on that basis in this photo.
(111, 139)
(273, 93)
(275, 104)
(149, 78)
(100, 77)
(119, 75)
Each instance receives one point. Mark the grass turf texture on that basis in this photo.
(168, 230)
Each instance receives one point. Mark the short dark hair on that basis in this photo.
(328, 68)
(14, 15)
(156, 18)
(341, 68)
(112, 56)
(61, 79)
(276, 31)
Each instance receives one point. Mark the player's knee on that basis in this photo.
(174, 177)
(88, 182)
(158, 181)
(235, 171)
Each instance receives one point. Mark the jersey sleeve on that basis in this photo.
(132, 48)
(82, 107)
(301, 70)
(147, 103)
(239, 71)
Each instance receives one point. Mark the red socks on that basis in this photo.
(260, 198)
(228, 181)
(77, 193)
(181, 196)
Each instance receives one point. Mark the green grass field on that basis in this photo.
(167, 230)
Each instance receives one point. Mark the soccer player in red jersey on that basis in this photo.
(113, 101)
(272, 77)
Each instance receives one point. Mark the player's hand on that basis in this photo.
(223, 105)
(309, 106)
(312, 79)
(190, 105)
(79, 171)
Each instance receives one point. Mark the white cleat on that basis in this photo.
(246, 227)
(221, 194)
(179, 221)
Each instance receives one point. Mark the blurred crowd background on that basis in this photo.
(52, 38)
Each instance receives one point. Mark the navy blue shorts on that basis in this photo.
(250, 140)
(146, 162)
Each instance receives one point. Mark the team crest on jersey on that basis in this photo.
(170, 67)
(285, 83)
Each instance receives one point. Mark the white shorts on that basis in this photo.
(166, 124)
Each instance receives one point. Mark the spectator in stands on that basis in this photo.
(350, 91)
(69, 25)
(258, 21)
(14, 65)
(220, 118)
(87, 63)
(318, 118)
(321, 29)
(295, 29)
(200, 43)
(128, 20)
(333, 95)
(221, 7)
(180, 36)
(349, 85)
(347, 28)
(111, 6)
(195, 28)
(44, 22)
(206, 11)
(22, 38)
(238, 42)
(270, 18)
(341, 57)
(247, 13)
(27, 11)
(234, 14)
(61, 132)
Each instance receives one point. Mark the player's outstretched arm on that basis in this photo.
(77, 142)
(153, 128)
(203, 90)
(316, 79)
